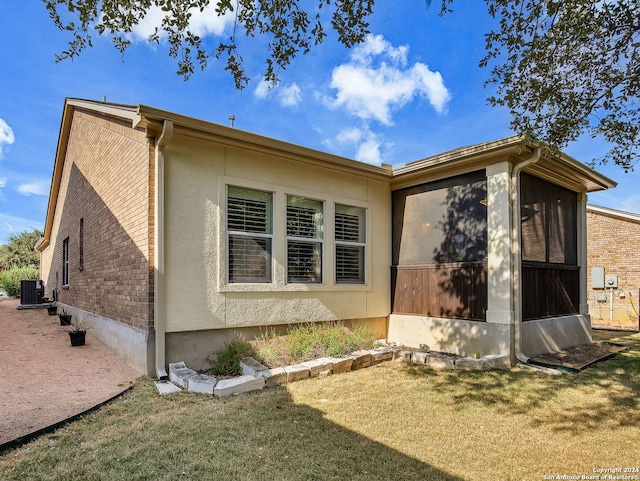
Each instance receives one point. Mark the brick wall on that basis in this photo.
(613, 242)
(106, 187)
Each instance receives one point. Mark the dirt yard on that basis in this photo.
(44, 379)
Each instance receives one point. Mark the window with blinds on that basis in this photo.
(350, 244)
(305, 238)
(250, 235)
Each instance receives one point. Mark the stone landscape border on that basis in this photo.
(256, 376)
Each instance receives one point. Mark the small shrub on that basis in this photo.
(11, 279)
(227, 361)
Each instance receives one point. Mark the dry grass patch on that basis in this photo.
(310, 341)
(391, 421)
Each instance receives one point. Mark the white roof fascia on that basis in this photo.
(614, 213)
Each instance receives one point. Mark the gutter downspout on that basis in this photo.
(517, 249)
(158, 238)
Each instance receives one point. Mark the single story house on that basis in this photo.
(174, 235)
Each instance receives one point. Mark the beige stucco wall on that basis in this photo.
(457, 336)
(198, 297)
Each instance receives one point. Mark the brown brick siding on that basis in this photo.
(106, 183)
(614, 243)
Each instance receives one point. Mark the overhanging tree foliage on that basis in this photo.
(562, 67)
(291, 26)
(20, 250)
(566, 68)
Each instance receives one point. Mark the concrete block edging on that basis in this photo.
(256, 376)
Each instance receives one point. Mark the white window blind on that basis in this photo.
(350, 244)
(250, 235)
(304, 239)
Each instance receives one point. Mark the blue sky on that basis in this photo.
(412, 90)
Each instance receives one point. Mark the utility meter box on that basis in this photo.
(597, 277)
(611, 282)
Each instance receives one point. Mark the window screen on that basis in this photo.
(441, 222)
(548, 222)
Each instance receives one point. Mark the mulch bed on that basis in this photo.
(576, 358)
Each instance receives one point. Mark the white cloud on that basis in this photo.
(6, 135)
(349, 136)
(39, 187)
(288, 95)
(369, 151)
(377, 45)
(376, 82)
(367, 144)
(262, 90)
(204, 23)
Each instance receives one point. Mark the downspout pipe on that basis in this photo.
(516, 252)
(158, 237)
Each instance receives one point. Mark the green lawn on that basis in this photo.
(391, 421)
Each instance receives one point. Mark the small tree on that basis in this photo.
(20, 251)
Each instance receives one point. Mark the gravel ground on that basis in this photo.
(44, 379)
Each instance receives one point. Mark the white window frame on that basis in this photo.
(279, 240)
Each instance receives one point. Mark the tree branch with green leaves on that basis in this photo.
(563, 68)
(568, 68)
(291, 27)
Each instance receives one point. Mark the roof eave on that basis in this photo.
(152, 119)
(571, 171)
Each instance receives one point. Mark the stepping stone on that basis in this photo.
(238, 385)
(202, 384)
